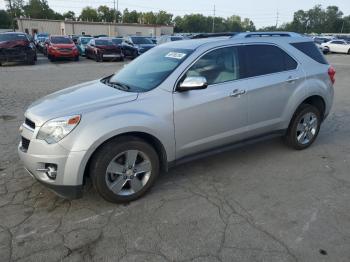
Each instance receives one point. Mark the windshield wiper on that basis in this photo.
(119, 86)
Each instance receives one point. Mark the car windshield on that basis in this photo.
(149, 70)
(103, 42)
(141, 40)
(61, 40)
(85, 40)
(176, 38)
(12, 37)
(117, 41)
(42, 35)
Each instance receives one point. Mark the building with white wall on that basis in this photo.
(68, 27)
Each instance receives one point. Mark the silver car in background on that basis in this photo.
(179, 101)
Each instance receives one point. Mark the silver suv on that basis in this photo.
(178, 101)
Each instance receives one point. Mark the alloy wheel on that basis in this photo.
(307, 128)
(128, 172)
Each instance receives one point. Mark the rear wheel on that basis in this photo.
(304, 127)
(124, 169)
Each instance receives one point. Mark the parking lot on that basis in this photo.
(262, 202)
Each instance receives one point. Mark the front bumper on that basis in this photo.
(38, 155)
(67, 192)
(60, 54)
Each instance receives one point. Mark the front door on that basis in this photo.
(209, 118)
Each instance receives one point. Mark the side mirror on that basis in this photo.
(193, 83)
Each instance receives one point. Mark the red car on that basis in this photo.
(102, 49)
(61, 47)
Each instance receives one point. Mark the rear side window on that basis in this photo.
(266, 59)
(311, 50)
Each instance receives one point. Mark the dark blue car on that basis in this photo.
(141, 43)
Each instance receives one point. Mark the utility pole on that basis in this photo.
(342, 27)
(12, 16)
(117, 19)
(213, 29)
(114, 11)
(277, 18)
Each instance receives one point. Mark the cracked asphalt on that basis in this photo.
(262, 202)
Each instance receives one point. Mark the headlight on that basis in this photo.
(56, 129)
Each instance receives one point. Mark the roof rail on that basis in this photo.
(209, 35)
(269, 34)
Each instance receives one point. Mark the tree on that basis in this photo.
(69, 15)
(164, 18)
(89, 14)
(149, 18)
(5, 19)
(131, 17)
(105, 13)
(40, 9)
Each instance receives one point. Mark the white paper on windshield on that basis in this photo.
(175, 55)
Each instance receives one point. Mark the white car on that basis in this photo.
(338, 46)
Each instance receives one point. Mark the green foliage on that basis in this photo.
(317, 20)
(69, 15)
(314, 20)
(198, 23)
(89, 14)
(5, 19)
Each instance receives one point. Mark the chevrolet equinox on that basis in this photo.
(177, 101)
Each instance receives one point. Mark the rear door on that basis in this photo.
(209, 118)
(272, 77)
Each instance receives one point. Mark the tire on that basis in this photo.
(349, 52)
(114, 153)
(304, 127)
(51, 58)
(76, 58)
(97, 58)
(30, 60)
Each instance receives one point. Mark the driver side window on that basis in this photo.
(218, 66)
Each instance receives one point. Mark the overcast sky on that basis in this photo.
(263, 13)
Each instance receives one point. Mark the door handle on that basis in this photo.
(292, 79)
(237, 93)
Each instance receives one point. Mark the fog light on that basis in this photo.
(51, 171)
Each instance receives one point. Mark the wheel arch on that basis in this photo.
(316, 101)
(151, 139)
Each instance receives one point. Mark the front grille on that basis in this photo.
(65, 49)
(111, 51)
(29, 123)
(25, 143)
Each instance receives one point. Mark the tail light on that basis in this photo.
(331, 73)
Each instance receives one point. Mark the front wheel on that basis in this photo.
(124, 169)
(304, 127)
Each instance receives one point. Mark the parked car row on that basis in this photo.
(99, 48)
(330, 44)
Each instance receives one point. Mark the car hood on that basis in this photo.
(78, 99)
(12, 44)
(146, 46)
